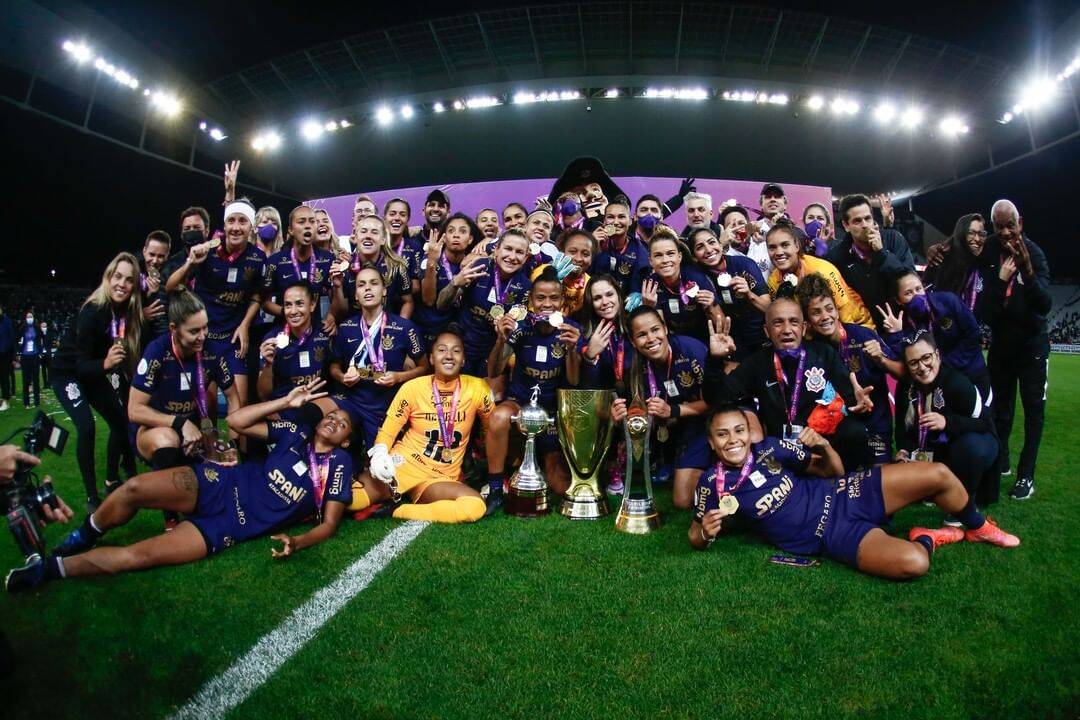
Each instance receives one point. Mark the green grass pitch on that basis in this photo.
(551, 618)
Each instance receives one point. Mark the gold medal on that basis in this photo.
(206, 425)
(518, 312)
(363, 372)
(496, 312)
(662, 433)
(447, 456)
(729, 504)
(923, 456)
(213, 243)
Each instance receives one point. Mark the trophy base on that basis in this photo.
(584, 507)
(526, 503)
(637, 516)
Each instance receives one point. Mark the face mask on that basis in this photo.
(191, 237)
(918, 306)
(44, 327)
(569, 207)
(813, 228)
(647, 222)
(29, 319)
(267, 232)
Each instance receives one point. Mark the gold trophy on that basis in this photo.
(526, 495)
(637, 514)
(585, 429)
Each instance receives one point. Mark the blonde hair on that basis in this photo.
(269, 212)
(394, 262)
(133, 318)
(335, 241)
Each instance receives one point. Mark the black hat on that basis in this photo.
(771, 186)
(439, 196)
(581, 171)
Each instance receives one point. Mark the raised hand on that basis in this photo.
(329, 324)
(892, 323)
(888, 215)
(268, 350)
(863, 403)
(433, 247)
(568, 335)
(873, 350)
(721, 344)
(231, 171)
(687, 186)
(306, 393)
(935, 254)
(873, 238)
(705, 298)
(1007, 269)
(154, 310)
(658, 407)
(504, 325)
(650, 293)
(809, 437)
(740, 286)
(471, 269)
(114, 356)
(600, 339)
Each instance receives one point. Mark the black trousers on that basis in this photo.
(30, 380)
(7, 375)
(79, 399)
(1029, 370)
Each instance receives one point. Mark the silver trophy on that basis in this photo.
(526, 495)
(637, 514)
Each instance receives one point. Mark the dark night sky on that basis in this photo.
(78, 200)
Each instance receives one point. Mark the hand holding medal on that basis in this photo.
(504, 324)
(268, 350)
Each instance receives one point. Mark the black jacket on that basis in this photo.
(1017, 318)
(84, 342)
(756, 378)
(953, 396)
(873, 280)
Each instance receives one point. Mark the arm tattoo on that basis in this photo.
(184, 479)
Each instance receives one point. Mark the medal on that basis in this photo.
(213, 243)
(496, 312)
(555, 319)
(282, 340)
(447, 456)
(518, 312)
(199, 391)
(446, 423)
(729, 504)
(723, 280)
(206, 425)
(373, 346)
(923, 456)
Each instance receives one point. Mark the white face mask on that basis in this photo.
(29, 319)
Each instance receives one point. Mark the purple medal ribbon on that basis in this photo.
(446, 424)
(199, 391)
(319, 472)
(971, 290)
(375, 350)
(296, 264)
(654, 387)
(500, 292)
(796, 390)
(923, 432)
(446, 266)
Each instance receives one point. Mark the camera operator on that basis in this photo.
(10, 456)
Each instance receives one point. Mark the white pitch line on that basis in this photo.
(232, 687)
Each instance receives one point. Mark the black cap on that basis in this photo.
(439, 196)
(767, 187)
(582, 171)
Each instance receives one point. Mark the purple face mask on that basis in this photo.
(647, 222)
(267, 232)
(813, 228)
(569, 207)
(918, 306)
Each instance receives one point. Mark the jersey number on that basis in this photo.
(433, 438)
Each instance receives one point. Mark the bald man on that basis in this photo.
(789, 381)
(1020, 345)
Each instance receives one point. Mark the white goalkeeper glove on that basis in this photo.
(382, 467)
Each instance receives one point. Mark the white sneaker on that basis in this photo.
(4, 405)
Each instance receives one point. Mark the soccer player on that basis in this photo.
(444, 254)
(740, 289)
(396, 214)
(580, 247)
(154, 254)
(668, 374)
(861, 350)
(746, 236)
(605, 345)
(678, 289)
(295, 354)
(227, 280)
(770, 484)
(373, 249)
(427, 431)
(948, 419)
(306, 475)
(301, 261)
(544, 348)
(790, 265)
(622, 253)
(485, 289)
(372, 355)
(488, 222)
(514, 216)
(95, 351)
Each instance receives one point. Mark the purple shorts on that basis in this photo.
(858, 506)
(223, 348)
(218, 515)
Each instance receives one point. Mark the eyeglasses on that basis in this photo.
(977, 233)
(927, 360)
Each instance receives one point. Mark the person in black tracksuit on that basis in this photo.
(948, 418)
(757, 378)
(1020, 340)
(30, 349)
(91, 366)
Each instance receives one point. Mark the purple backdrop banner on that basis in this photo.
(471, 198)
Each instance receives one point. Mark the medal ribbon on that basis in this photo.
(296, 264)
(721, 475)
(500, 292)
(618, 352)
(654, 387)
(116, 327)
(199, 390)
(231, 257)
(796, 389)
(372, 344)
(845, 346)
(919, 410)
(446, 424)
(446, 266)
(971, 290)
(320, 473)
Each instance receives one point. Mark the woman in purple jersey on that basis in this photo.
(772, 485)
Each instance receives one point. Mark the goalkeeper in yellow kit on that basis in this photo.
(437, 413)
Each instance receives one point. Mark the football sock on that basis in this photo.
(927, 542)
(54, 568)
(167, 457)
(970, 516)
(90, 528)
(460, 510)
(495, 481)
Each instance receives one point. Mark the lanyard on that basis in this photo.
(231, 257)
(654, 387)
(446, 424)
(296, 264)
(372, 344)
(919, 410)
(199, 389)
(721, 475)
(117, 327)
(618, 352)
(500, 291)
(320, 473)
(796, 389)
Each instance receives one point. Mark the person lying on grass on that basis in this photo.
(842, 516)
(307, 474)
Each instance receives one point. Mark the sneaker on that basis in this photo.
(951, 521)
(92, 504)
(991, 533)
(1006, 472)
(27, 577)
(494, 502)
(4, 405)
(111, 487)
(940, 536)
(1022, 489)
(77, 541)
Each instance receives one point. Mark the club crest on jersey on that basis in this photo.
(388, 342)
(854, 364)
(686, 379)
(558, 350)
(939, 399)
(772, 465)
(624, 268)
(815, 379)
(320, 354)
(210, 474)
(946, 323)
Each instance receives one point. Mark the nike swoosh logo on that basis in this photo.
(352, 340)
(77, 404)
(770, 384)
